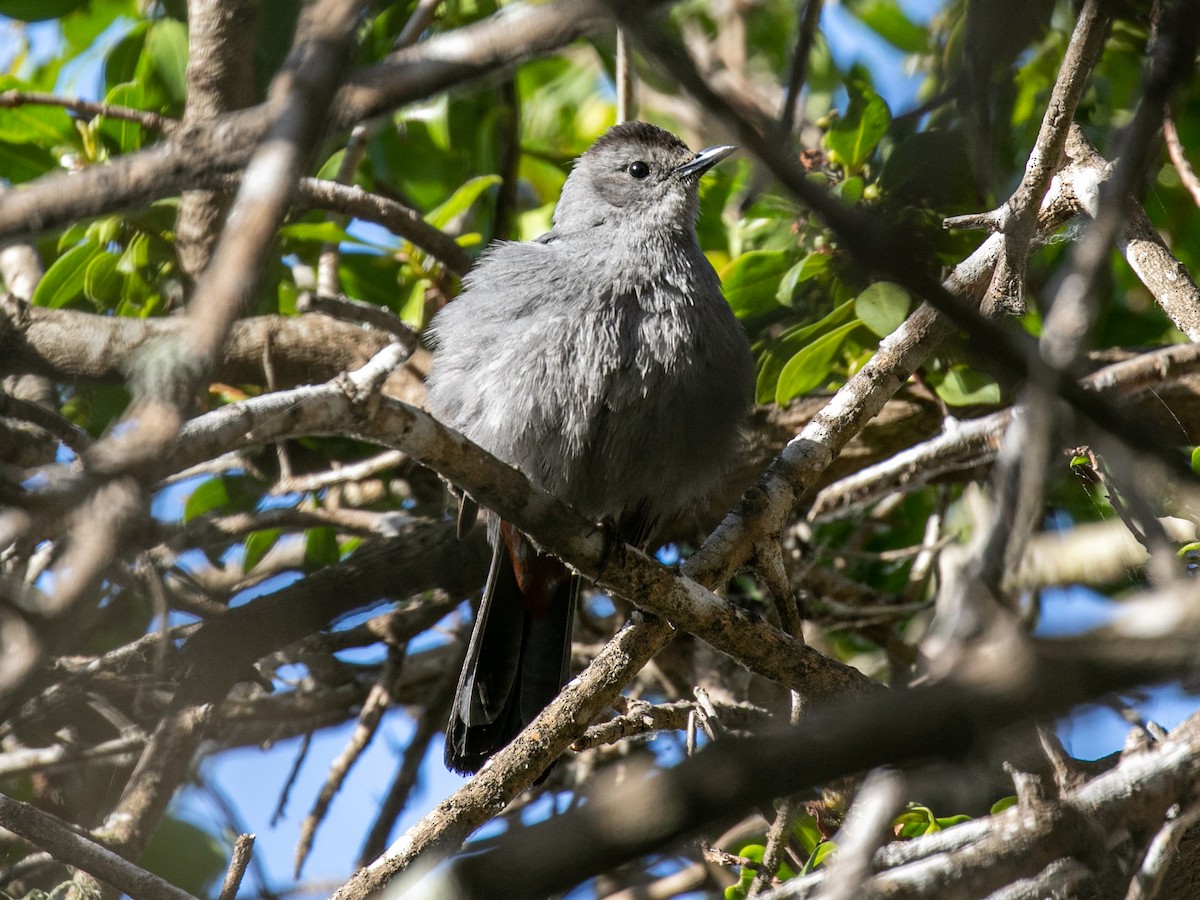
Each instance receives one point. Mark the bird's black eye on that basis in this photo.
(638, 169)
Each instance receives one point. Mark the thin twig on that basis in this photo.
(328, 282)
(290, 781)
(242, 849)
(65, 845)
(1161, 853)
(867, 828)
(376, 704)
(809, 17)
(59, 427)
(350, 310)
(89, 108)
(357, 471)
(626, 101)
(429, 723)
(1179, 159)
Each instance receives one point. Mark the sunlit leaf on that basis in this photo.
(320, 548)
(751, 282)
(24, 162)
(38, 10)
(887, 19)
(950, 821)
(461, 200)
(63, 281)
(105, 230)
(791, 342)
(32, 123)
(375, 279)
(853, 137)
(185, 855)
(124, 60)
(412, 310)
(85, 24)
(136, 255)
(882, 307)
(851, 190)
(258, 544)
(812, 366)
(807, 831)
(319, 232)
(1002, 804)
(101, 281)
(209, 495)
(819, 855)
(125, 135)
(167, 47)
(914, 822)
(963, 386)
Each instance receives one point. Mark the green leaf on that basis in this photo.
(808, 832)
(375, 279)
(853, 137)
(185, 855)
(851, 190)
(143, 306)
(318, 232)
(25, 162)
(167, 47)
(123, 62)
(101, 281)
(104, 231)
(1002, 804)
(81, 28)
(813, 266)
(882, 307)
(819, 855)
(320, 548)
(73, 234)
(948, 821)
(257, 545)
(461, 200)
(813, 365)
(208, 496)
(962, 386)
(126, 136)
(412, 310)
(38, 10)
(741, 890)
(751, 282)
(63, 281)
(330, 168)
(915, 821)
(791, 342)
(887, 20)
(788, 284)
(136, 255)
(274, 42)
(32, 123)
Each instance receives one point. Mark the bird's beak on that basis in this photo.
(704, 160)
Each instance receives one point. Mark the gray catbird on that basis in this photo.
(602, 361)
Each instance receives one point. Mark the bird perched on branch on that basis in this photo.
(603, 362)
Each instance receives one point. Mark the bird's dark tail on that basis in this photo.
(520, 651)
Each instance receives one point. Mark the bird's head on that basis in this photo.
(638, 174)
